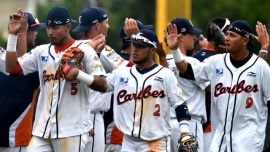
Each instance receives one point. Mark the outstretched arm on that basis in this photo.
(172, 42)
(22, 37)
(15, 22)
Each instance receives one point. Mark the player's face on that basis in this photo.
(141, 54)
(31, 39)
(58, 34)
(104, 26)
(188, 40)
(234, 42)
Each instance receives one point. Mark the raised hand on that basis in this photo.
(131, 27)
(98, 43)
(24, 26)
(263, 37)
(160, 50)
(172, 36)
(15, 22)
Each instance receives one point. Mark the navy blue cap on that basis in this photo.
(185, 26)
(58, 15)
(33, 23)
(145, 37)
(244, 29)
(90, 16)
(140, 25)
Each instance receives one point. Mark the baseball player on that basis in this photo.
(18, 93)
(113, 136)
(193, 91)
(62, 121)
(239, 82)
(93, 22)
(143, 97)
(216, 31)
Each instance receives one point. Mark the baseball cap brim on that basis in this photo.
(40, 26)
(148, 26)
(195, 31)
(73, 21)
(81, 28)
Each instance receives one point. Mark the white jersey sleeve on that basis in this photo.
(111, 60)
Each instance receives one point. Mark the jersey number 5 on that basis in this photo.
(157, 112)
(74, 89)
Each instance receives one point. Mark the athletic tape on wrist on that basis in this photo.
(184, 126)
(85, 78)
(177, 56)
(264, 51)
(12, 43)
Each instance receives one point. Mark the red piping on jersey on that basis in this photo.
(116, 136)
(24, 129)
(64, 47)
(17, 69)
(208, 128)
(209, 49)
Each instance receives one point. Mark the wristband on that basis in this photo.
(21, 34)
(85, 78)
(12, 43)
(177, 56)
(263, 51)
(184, 127)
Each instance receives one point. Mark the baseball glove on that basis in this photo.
(182, 144)
(71, 59)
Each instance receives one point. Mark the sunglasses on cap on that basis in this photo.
(142, 40)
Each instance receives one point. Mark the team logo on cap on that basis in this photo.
(95, 21)
(105, 15)
(57, 22)
(68, 20)
(183, 30)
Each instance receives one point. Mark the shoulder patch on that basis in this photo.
(107, 48)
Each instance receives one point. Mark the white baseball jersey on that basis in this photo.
(63, 107)
(99, 101)
(193, 91)
(142, 101)
(240, 97)
(195, 95)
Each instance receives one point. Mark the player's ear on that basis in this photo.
(180, 37)
(153, 50)
(69, 25)
(245, 41)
